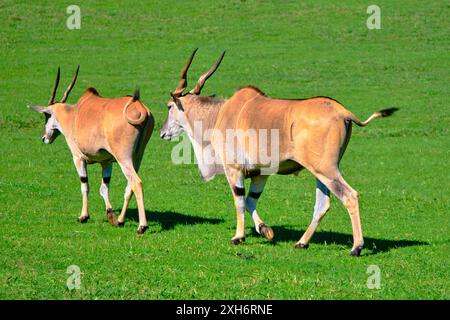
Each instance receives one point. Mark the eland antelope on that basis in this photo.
(102, 130)
(309, 133)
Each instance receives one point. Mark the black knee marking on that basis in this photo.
(239, 191)
(84, 179)
(106, 180)
(323, 188)
(254, 195)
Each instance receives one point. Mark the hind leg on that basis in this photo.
(256, 188)
(128, 193)
(349, 198)
(104, 192)
(126, 200)
(320, 209)
(135, 186)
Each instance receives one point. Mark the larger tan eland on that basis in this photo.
(102, 130)
(251, 135)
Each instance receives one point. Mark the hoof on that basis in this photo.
(301, 246)
(266, 231)
(112, 218)
(142, 229)
(237, 241)
(356, 252)
(120, 224)
(83, 219)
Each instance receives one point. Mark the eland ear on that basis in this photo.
(40, 109)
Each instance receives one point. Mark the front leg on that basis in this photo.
(82, 173)
(236, 181)
(256, 189)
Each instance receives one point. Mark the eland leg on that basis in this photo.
(104, 192)
(128, 192)
(126, 200)
(135, 186)
(256, 188)
(236, 181)
(349, 198)
(320, 209)
(82, 173)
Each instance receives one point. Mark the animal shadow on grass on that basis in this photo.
(168, 219)
(283, 234)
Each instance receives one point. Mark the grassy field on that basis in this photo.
(293, 49)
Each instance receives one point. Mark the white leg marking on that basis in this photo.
(104, 187)
(82, 173)
(322, 201)
(320, 209)
(256, 187)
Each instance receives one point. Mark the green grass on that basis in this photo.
(399, 165)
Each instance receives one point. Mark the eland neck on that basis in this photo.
(201, 116)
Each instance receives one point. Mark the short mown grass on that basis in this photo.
(291, 49)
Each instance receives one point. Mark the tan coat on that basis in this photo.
(96, 129)
(102, 130)
(310, 133)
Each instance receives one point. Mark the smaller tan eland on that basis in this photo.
(102, 130)
(251, 135)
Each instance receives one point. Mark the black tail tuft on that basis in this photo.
(387, 112)
(136, 95)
